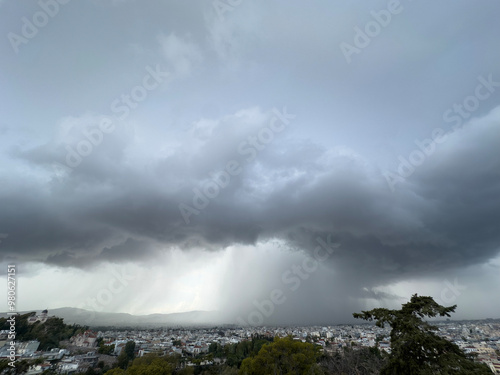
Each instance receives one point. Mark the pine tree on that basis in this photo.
(415, 347)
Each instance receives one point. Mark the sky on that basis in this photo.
(279, 162)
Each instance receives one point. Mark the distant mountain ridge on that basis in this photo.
(73, 315)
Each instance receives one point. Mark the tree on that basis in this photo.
(415, 348)
(151, 365)
(185, 371)
(283, 356)
(106, 349)
(126, 355)
(115, 371)
(227, 370)
(130, 349)
(49, 334)
(21, 366)
(362, 361)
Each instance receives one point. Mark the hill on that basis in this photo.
(48, 333)
(101, 319)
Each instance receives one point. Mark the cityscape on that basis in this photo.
(195, 345)
(249, 187)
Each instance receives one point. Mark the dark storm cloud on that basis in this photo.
(447, 211)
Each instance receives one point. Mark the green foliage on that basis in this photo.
(126, 355)
(115, 371)
(151, 364)
(49, 334)
(229, 371)
(103, 348)
(284, 356)
(130, 349)
(185, 371)
(236, 353)
(362, 361)
(210, 370)
(122, 361)
(21, 366)
(415, 348)
(106, 349)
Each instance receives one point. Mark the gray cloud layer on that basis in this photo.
(446, 211)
